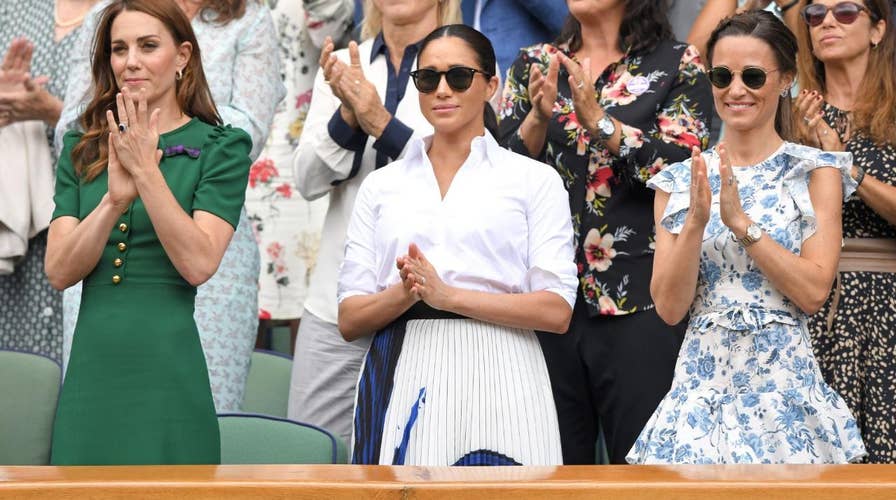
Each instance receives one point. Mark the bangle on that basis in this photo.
(860, 176)
(783, 8)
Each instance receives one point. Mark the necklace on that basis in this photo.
(66, 24)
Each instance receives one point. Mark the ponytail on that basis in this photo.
(490, 119)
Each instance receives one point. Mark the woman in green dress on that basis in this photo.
(147, 199)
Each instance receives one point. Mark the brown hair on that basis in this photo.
(90, 156)
(764, 26)
(874, 112)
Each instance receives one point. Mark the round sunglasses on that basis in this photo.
(844, 13)
(459, 78)
(752, 76)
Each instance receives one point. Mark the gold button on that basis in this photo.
(122, 247)
(117, 262)
(116, 279)
(122, 227)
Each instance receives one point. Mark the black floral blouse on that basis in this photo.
(663, 101)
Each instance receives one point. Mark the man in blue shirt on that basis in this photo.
(513, 24)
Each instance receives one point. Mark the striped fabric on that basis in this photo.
(455, 392)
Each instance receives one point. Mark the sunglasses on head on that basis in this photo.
(844, 13)
(459, 78)
(753, 77)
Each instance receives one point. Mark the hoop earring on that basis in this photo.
(179, 74)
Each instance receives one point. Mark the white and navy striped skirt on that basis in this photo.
(441, 389)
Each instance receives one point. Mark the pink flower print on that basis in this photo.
(690, 56)
(574, 131)
(599, 178)
(599, 250)
(275, 249)
(655, 167)
(262, 171)
(616, 92)
(607, 306)
(303, 99)
(680, 130)
(284, 190)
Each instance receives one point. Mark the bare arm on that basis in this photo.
(880, 197)
(363, 315)
(709, 17)
(74, 246)
(676, 262)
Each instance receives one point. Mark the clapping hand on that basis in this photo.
(135, 137)
(361, 105)
(22, 97)
(730, 208)
(543, 89)
(701, 193)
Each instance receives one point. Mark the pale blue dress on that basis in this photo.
(747, 388)
(242, 65)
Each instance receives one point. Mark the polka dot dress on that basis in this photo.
(30, 310)
(857, 353)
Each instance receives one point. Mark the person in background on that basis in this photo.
(513, 24)
(363, 113)
(242, 65)
(147, 199)
(37, 37)
(713, 12)
(848, 102)
(614, 101)
(454, 254)
(747, 241)
(287, 227)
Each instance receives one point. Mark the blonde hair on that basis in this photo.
(449, 13)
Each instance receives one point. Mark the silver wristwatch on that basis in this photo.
(754, 233)
(606, 127)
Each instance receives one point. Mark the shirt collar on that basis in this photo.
(483, 147)
(380, 48)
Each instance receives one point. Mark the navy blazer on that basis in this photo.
(513, 24)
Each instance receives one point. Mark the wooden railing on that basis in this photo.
(765, 482)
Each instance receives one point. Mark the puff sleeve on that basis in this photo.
(67, 197)
(225, 173)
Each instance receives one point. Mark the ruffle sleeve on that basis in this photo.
(804, 160)
(675, 180)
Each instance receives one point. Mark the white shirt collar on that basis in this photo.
(483, 147)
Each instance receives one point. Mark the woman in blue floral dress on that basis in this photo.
(749, 248)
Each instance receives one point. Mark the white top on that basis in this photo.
(319, 161)
(504, 225)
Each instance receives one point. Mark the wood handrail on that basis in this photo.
(768, 482)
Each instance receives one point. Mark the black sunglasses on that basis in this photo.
(753, 77)
(844, 12)
(459, 78)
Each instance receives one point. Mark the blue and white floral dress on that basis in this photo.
(747, 388)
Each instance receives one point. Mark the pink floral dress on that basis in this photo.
(664, 102)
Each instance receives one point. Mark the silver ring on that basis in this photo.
(357, 82)
(122, 127)
(807, 119)
(422, 280)
(824, 132)
(731, 180)
(581, 85)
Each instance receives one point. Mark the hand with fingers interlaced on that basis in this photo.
(420, 278)
(135, 136)
(809, 113)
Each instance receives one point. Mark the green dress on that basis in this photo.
(137, 388)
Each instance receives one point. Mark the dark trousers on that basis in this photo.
(612, 368)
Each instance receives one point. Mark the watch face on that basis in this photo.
(606, 126)
(754, 232)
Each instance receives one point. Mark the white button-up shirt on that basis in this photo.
(503, 227)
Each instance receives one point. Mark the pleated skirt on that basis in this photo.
(455, 392)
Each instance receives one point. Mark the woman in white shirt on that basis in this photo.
(454, 255)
